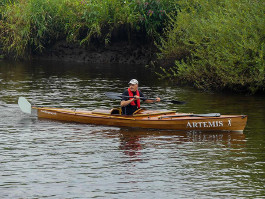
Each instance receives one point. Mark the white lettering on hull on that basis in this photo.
(207, 124)
(47, 112)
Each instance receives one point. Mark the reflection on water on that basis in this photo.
(44, 158)
(133, 141)
(130, 139)
(187, 136)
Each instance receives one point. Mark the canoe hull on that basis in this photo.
(159, 120)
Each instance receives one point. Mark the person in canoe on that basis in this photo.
(131, 98)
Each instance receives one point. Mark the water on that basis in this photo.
(50, 159)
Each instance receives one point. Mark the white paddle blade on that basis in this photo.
(24, 105)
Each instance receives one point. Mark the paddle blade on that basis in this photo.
(177, 102)
(24, 105)
(112, 95)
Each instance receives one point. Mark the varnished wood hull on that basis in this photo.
(148, 119)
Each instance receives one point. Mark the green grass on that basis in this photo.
(29, 26)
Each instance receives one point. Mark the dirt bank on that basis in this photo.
(116, 52)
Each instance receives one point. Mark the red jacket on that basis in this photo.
(131, 95)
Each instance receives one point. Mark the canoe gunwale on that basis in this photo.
(149, 117)
(105, 115)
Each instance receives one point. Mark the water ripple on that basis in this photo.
(42, 158)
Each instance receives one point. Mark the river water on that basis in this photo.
(51, 159)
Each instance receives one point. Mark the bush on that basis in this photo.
(153, 14)
(217, 45)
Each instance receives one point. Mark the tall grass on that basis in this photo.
(217, 45)
(29, 26)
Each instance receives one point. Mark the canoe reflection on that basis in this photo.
(133, 141)
(131, 145)
(185, 136)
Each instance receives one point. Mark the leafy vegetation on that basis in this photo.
(217, 45)
(28, 26)
(210, 43)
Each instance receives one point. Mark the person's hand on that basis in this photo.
(136, 97)
(157, 99)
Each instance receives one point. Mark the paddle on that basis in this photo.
(24, 105)
(119, 96)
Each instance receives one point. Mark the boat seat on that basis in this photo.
(115, 111)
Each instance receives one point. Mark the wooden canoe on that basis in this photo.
(153, 119)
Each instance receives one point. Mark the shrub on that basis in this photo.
(217, 45)
(153, 14)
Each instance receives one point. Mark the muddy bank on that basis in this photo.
(117, 52)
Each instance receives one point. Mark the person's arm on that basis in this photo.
(148, 100)
(152, 101)
(126, 101)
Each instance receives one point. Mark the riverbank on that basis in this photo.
(121, 52)
(209, 45)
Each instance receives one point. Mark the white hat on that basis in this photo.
(133, 81)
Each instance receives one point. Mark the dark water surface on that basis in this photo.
(50, 159)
